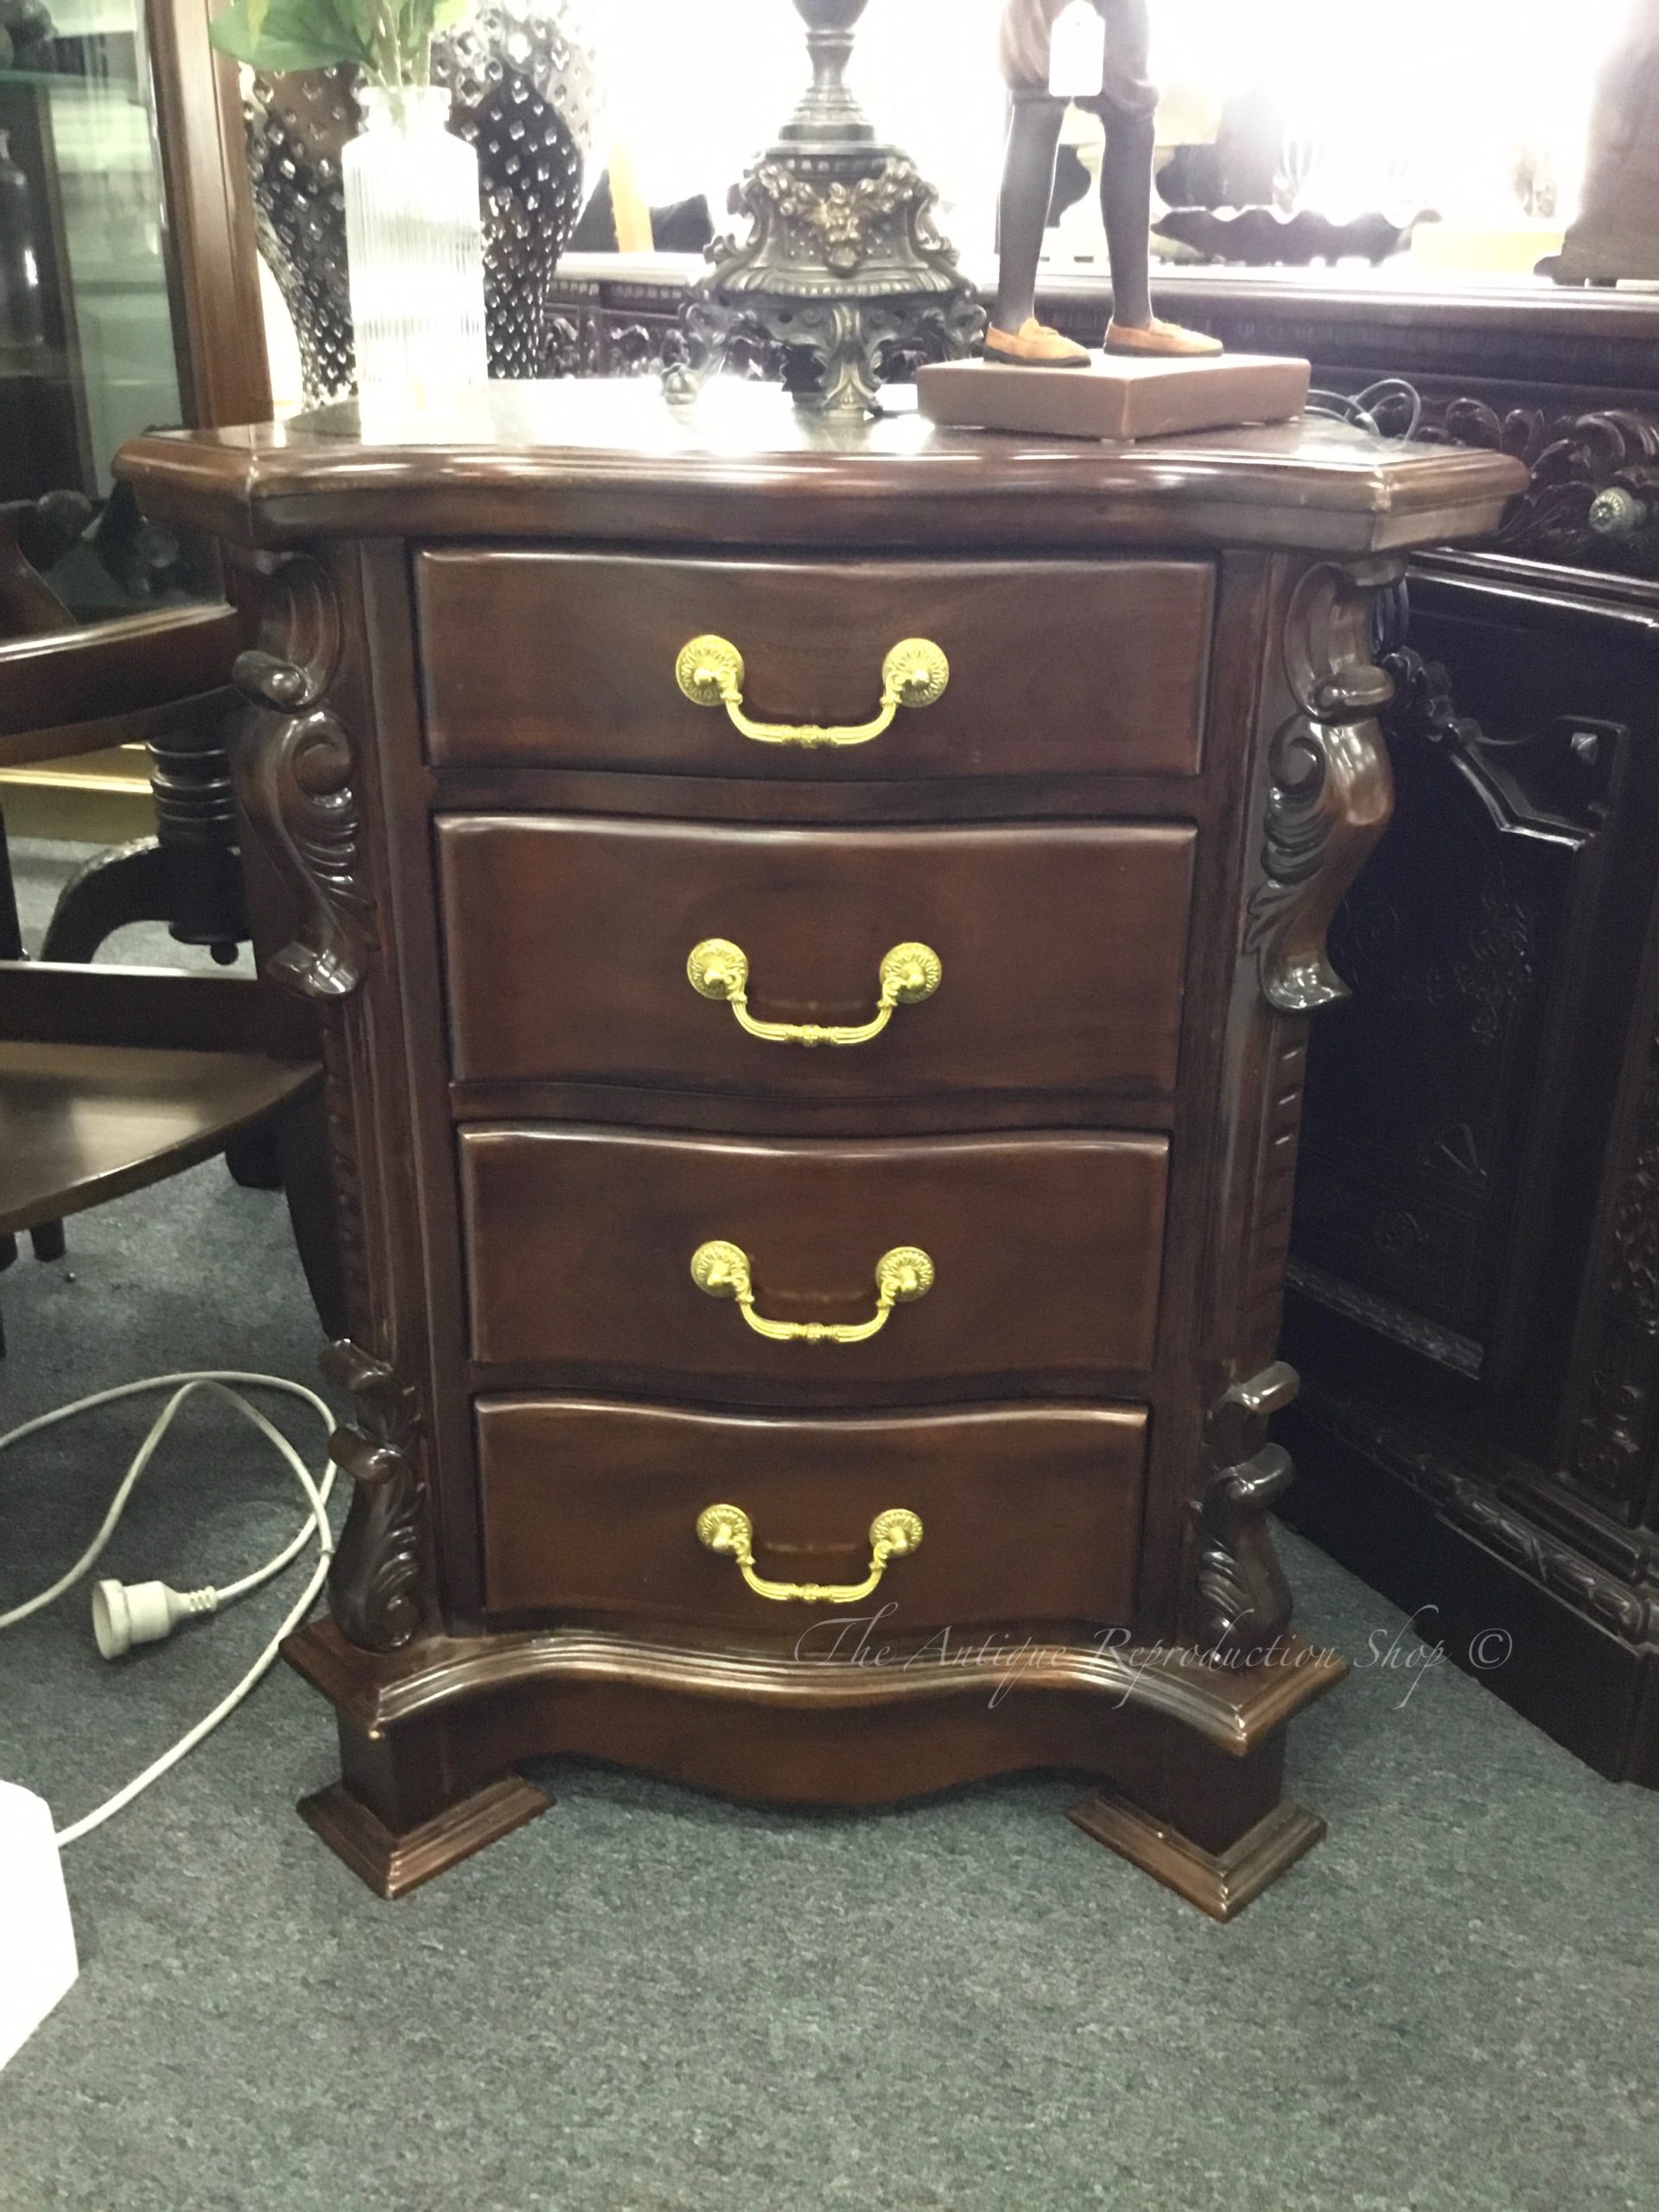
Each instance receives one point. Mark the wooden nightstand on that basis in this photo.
(816, 927)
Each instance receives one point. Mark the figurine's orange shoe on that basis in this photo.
(1164, 340)
(1034, 346)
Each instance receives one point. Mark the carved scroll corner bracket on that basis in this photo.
(1329, 789)
(377, 1582)
(293, 767)
(1243, 1599)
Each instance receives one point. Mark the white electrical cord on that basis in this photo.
(203, 1601)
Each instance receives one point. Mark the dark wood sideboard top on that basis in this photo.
(615, 460)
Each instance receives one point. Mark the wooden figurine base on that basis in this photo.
(1192, 1752)
(1115, 396)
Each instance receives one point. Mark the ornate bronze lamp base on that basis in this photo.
(844, 277)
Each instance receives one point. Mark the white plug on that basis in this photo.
(126, 1613)
(124, 1617)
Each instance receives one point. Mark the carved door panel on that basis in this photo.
(1459, 1109)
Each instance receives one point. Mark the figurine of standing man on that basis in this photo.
(1124, 103)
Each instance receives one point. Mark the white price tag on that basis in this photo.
(1077, 53)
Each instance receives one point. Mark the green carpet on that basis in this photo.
(651, 2001)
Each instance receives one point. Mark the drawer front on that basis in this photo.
(1056, 667)
(1027, 1515)
(1044, 1250)
(1061, 953)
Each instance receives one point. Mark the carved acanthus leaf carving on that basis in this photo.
(375, 1584)
(1329, 789)
(294, 774)
(1591, 497)
(1593, 489)
(1243, 1599)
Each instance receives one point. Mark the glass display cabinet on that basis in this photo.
(87, 329)
(128, 300)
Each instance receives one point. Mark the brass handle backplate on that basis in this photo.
(720, 970)
(723, 1270)
(729, 1529)
(709, 671)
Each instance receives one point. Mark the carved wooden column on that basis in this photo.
(1325, 800)
(294, 773)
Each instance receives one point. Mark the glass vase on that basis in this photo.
(415, 258)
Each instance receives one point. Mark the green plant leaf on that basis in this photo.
(288, 35)
(348, 20)
(411, 21)
(388, 38)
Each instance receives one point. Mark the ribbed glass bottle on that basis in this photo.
(415, 255)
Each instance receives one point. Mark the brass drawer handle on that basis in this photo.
(720, 970)
(709, 671)
(723, 1270)
(729, 1529)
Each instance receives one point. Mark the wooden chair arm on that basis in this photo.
(110, 672)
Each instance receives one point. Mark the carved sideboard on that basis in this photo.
(816, 927)
(1474, 1299)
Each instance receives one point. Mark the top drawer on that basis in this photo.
(1055, 667)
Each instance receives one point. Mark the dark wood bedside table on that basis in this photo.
(816, 927)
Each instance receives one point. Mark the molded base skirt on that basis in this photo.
(1191, 1748)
